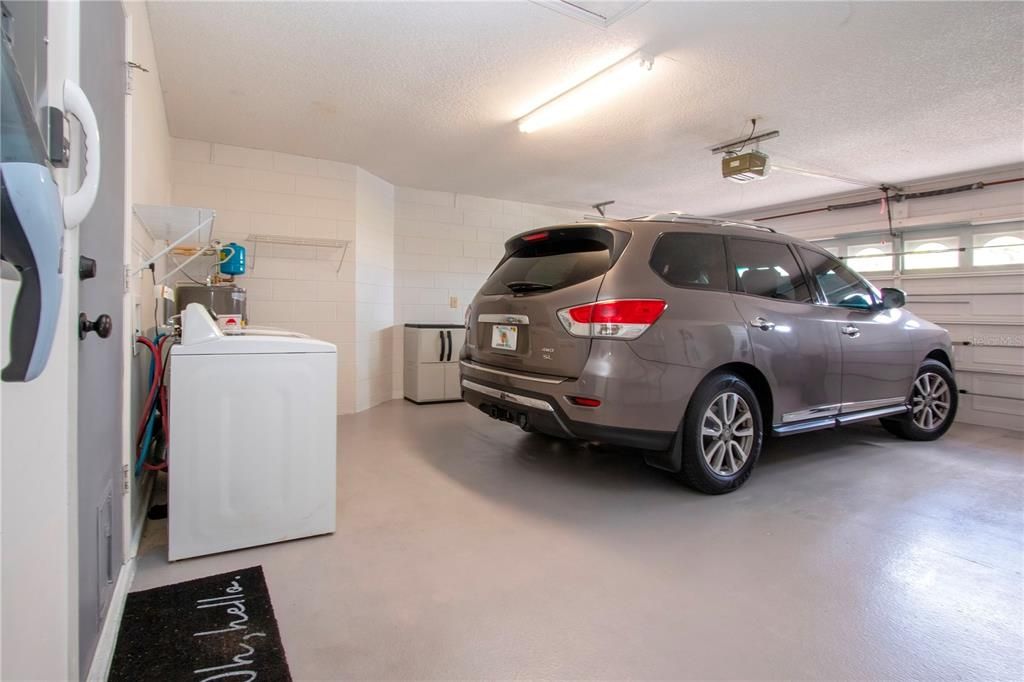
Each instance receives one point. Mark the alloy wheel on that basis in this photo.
(930, 401)
(727, 433)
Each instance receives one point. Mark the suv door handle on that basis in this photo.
(850, 330)
(762, 324)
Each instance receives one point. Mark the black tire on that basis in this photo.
(696, 472)
(906, 427)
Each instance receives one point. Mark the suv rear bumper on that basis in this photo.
(538, 412)
(636, 394)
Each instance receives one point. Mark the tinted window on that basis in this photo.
(549, 264)
(691, 260)
(837, 282)
(768, 269)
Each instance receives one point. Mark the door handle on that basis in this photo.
(450, 344)
(850, 330)
(441, 357)
(78, 205)
(762, 324)
(102, 325)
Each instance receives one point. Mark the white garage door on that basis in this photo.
(970, 280)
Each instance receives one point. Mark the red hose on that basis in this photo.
(156, 389)
(153, 388)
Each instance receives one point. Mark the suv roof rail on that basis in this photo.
(678, 217)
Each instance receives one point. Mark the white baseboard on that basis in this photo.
(104, 656)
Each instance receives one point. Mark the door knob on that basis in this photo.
(763, 324)
(102, 325)
(86, 267)
(851, 331)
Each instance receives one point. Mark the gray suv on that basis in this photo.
(692, 339)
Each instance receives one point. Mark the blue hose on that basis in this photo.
(148, 436)
(152, 360)
(144, 449)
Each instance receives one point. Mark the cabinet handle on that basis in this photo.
(449, 345)
(441, 357)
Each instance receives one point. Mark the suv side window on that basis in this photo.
(686, 259)
(768, 269)
(838, 283)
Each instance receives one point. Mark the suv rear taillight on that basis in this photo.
(625, 319)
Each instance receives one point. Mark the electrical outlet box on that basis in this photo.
(136, 325)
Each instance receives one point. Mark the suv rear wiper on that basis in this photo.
(521, 286)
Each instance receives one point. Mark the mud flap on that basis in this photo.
(670, 459)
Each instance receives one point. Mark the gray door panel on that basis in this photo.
(878, 360)
(100, 359)
(798, 350)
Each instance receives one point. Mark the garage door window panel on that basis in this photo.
(875, 257)
(994, 249)
(931, 253)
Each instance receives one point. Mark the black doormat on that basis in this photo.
(221, 627)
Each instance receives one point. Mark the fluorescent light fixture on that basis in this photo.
(598, 88)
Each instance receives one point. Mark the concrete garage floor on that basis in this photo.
(468, 549)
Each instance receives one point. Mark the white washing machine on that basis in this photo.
(253, 438)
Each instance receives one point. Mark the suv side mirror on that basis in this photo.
(893, 298)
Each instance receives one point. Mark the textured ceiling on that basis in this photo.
(427, 94)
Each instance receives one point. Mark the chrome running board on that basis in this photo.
(839, 420)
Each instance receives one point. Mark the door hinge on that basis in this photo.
(127, 278)
(125, 480)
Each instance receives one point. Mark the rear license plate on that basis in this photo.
(504, 336)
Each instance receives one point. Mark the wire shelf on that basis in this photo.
(284, 240)
(171, 223)
(174, 225)
(297, 241)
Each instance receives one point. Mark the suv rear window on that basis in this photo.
(691, 260)
(547, 265)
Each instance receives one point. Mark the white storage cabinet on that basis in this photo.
(432, 362)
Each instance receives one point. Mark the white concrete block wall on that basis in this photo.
(374, 289)
(446, 244)
(415, 255)
(256, 191)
